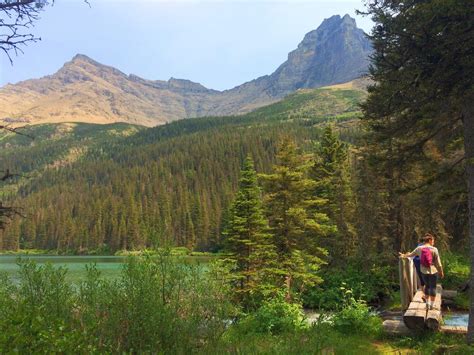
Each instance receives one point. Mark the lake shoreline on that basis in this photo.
(175, 251)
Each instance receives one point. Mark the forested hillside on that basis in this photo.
(91, 187)
(172, 185)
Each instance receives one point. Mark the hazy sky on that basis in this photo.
(220, 43)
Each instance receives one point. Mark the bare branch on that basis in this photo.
(8, 4)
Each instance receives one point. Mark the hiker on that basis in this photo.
(416, 262)
(430, 265)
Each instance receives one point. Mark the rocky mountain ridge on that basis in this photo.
(84, 90)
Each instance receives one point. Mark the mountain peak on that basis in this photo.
(82, 58)
(349, 20)
(336, 52)
(335, 22)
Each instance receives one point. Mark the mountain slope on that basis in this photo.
(132, 188)
(84, 90)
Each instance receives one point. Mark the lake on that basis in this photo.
(109, 266)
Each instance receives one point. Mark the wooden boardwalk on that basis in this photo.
(415, 315)
(418, 316)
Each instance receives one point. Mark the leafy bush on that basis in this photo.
(36, 313)
(462, 301)
(158, 305)
(371, 283)
(275, 316)
(456, 269)
(354, 316)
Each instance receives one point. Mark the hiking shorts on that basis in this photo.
(430, 284)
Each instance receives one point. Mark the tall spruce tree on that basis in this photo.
(423, 65)
(330, 170)
(249, 242)
(294, 220)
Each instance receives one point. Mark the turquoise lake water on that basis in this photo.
(109, 266)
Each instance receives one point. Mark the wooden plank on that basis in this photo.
(453, 329)
(434, 317)
(396, 327)
(419, 297)
(415, 316)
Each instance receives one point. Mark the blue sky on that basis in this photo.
(219, 43)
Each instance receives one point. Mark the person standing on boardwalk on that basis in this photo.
(430, 266)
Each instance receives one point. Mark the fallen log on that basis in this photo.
(448, 303)
(418, 316)
(415, 316)
(453, 329)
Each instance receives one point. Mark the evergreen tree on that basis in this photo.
(330, 170)
(249, 242)
(422, 66)
(294, 218)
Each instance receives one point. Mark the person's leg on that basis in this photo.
(434, 279)
(431, 289)
(424, 277)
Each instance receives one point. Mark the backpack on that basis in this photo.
(426, 258)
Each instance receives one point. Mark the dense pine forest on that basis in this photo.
(169, 185)
(120, 187)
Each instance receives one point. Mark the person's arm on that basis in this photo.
(409, 255)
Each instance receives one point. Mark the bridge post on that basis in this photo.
(408, 282)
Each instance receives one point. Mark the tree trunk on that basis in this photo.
(468, 123)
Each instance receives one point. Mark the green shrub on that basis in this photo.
(354, 316)
(159, 304)
(275, 316)
(37, 312)
(462, 301)
(369, 282)
(456, 269)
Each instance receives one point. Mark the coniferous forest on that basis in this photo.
(173, 185)
(302, 207)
